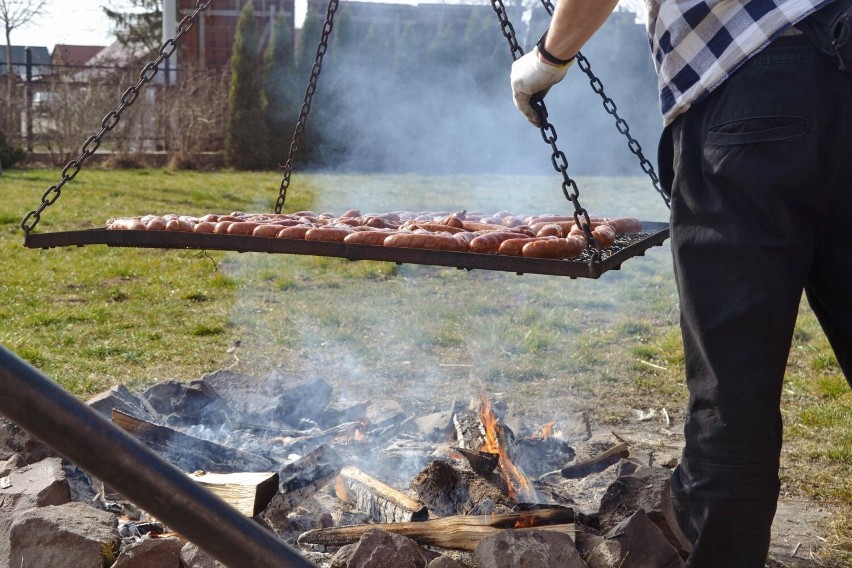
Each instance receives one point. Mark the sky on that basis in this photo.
(82, 22)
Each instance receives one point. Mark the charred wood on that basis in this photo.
(383, 503)
(299, 480)
(597, 463)
(456, 533)
(448, 491)
(188, 452)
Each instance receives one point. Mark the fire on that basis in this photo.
(525, 522)
(546, 430)
(519, 486)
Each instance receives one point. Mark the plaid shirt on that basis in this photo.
(697, 44)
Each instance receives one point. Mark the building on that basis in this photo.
(40, 58)
(210, 41)
(74, 55)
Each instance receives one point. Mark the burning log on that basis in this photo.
(469, 430)
(597, 463)
(188, 452)
(461, 532)
(248, 492)
(299, 480)
(383, 503)
(450, 491)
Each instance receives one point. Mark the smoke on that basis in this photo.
(414, 102)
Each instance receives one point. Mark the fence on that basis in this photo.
(52, 110)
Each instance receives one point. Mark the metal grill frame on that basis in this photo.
(653, 234)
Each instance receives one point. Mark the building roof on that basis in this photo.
(40, 58)
(74, 54)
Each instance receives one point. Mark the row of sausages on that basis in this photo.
(535, 236)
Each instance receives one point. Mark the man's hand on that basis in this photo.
(529, 76)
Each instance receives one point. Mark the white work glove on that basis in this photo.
(529, 76)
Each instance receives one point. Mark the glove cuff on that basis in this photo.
(549, 56)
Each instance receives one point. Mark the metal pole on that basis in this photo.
(81, 435)
(29, 99)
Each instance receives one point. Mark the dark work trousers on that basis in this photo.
(761, 210)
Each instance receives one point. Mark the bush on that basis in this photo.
(9, 154)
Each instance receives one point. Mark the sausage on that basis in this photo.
(513, 247)
(554, 248)
(550, 230)
(533, 219)
(352, 213)
(434, 227)
(266, 230)
(126, 225)
(451, 221)
(490, 242)
(204, 227)
(349, 221)
(466, 237)
(624, 225)
(179, 225)
(425, 241)
(378, 223)
(242, 228)
(329, 234)
(512, 221)
(297, 232)
(367, 238)
(156, 224)
(222, 227)
(477, 226)
(209, 218)
(604, 235)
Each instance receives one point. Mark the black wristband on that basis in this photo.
(549, 56)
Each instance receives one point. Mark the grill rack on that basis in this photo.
(625, 247)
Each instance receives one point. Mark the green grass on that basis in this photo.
(93, 317)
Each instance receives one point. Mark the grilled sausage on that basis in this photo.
(550, 230)
(179, 225)
(329, 234)
(604, 235)
(156, 224)
(242, 228)
(297, 232)
(204, 227)
(554, 248)
(266, 230)
(425, 241)
(490, 242)
(367, 237)
(513, 247)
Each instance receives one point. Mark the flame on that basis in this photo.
(546, 430)
(517, 483)
(525, 522)
(358, 435)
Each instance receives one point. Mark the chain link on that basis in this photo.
(111, 120)
(548, 134)
(620, 123)
(306, 105)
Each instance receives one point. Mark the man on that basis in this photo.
(756, 156)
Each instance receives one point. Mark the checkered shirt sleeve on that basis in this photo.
(697, 44)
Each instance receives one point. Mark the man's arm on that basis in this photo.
(573, 23)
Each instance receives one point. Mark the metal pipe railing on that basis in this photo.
(79, 434)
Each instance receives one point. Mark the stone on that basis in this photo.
(573, 427)
(444, 562)
(636, 542)
(339, 413)
(37, 485)
(384, 412)
(73, 535)
(438, 426)
(193, 557)
(148, 552)
(533, 548)
(647, 489)
(343, 555)
(17, 461)
(121, 399)
(380, 549)
(16, 440)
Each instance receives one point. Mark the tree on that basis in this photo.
(16, 14)
(246, 135)
(280, 88)
(140, 24)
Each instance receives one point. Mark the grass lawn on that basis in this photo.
(94, 317)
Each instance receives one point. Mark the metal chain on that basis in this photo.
(548, 134)
(112, 118)
(620, 123)
(306, 105)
